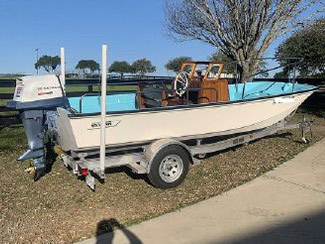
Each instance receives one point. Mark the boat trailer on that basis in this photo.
(143, 159)
(166, 161)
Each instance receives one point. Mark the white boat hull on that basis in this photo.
(83, 132)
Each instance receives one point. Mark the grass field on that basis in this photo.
(61, 209)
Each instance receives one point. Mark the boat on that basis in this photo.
(207, 106)
(150, 121)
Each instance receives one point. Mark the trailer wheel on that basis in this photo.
(169, 167)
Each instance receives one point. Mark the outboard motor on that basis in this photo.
(34, 97)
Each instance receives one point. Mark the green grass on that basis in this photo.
(3, 102)
(7, 90)
(12, 137)
(11, 75)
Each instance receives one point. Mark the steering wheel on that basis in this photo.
(181, 83)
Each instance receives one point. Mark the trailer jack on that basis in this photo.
(306, 126)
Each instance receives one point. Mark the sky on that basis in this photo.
(131, 29)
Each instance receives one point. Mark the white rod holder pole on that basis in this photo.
(62, 55)
(103, 112)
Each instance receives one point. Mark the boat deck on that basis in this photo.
(128, 100)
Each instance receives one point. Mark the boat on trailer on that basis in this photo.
(157, 129)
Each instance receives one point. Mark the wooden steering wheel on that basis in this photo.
(181, 83)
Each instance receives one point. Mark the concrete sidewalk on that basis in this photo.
(286, 205)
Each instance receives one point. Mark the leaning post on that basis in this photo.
(62, 55)
(103, 112)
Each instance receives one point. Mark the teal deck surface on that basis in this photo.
(127, 101)
(116, 102)
(255, 90)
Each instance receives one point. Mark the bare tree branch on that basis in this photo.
(241, 29)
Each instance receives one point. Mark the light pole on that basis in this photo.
(37, 49)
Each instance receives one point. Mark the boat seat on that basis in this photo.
(174, 101)
(140, 100)
(213, 91)
(151, 97)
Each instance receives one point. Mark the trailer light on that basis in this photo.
(84, 172)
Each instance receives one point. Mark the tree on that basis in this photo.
(143, 66)
(230, 64)
(262, 67)
(48, 63)
(120, 67)
(280, 75)
(241, 29)
(307, 43)
(88, 66)
(176, 63)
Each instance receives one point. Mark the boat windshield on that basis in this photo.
(214, 72)
(201, 70)
(188, 68)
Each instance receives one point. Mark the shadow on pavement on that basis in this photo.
(307, 229)
(108, 226)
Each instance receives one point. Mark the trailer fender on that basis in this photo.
(152, 150)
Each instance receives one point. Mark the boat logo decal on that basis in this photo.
(109, 124)
(18, 91)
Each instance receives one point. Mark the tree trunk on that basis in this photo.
(246, 69)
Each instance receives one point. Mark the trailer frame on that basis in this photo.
(139, 158)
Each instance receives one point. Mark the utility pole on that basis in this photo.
(37, 49)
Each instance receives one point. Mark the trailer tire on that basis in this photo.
(169, 167)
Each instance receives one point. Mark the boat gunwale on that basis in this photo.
(188, 106)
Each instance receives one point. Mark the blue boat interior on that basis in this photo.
(128, 101)
(255, 90)
(114, 103)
